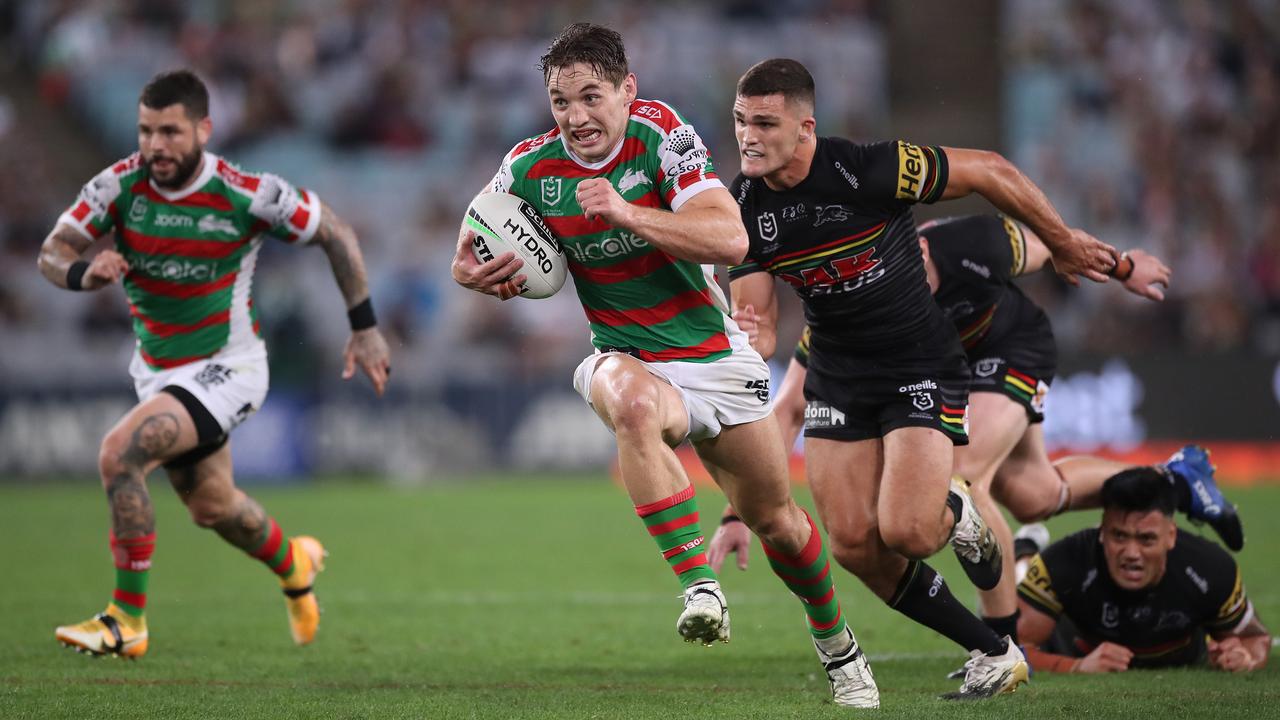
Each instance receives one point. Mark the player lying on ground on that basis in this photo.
(1137, 592)
(630, 190)
(970, 263)
(888, 387)
(188, 227)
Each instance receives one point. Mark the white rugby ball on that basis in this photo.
(503, 222)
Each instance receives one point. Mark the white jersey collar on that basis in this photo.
(596, 165)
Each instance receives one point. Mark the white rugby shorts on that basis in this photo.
(230, 386)
(730, 391)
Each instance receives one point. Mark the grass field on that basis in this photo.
(524, 598)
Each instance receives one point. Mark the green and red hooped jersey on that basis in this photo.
(636, 296)
(192, 253)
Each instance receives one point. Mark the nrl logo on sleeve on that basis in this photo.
(551, 190)
(986, 367)
(768, 225)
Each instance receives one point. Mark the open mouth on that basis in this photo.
(752, 154)
(586, 137)
(1132, 572)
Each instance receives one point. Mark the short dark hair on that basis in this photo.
(177, 87)
(782, 76)
(594, 45)
(1140, 489)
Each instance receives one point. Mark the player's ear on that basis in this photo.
(629, 89)
(204, 129)
(808, 129)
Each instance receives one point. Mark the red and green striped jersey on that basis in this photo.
(636, 297)
(192, 252)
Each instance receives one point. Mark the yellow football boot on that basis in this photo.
(111, 632)
(299, 597)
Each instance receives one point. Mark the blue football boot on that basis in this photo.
(1191, 465)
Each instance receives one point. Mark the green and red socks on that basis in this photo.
(276, 551)
(133, 563)
(673, 523)
(808, 576)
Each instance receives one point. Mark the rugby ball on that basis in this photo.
(502, 222)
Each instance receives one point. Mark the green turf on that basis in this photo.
(517, 599)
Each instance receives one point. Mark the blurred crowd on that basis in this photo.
(1154, 124)
(396, 112)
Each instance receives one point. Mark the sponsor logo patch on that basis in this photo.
(818, 415)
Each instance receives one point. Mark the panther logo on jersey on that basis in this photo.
(830, 213)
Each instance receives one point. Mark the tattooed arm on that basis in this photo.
(64, 246)
(366, 348)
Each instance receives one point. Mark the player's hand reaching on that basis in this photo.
(1148, 273)
(496, 277)
(599, 200)
(368, 349)
(1230, 654)
(1083, 255)
(731, 538)
(1107, 657)
(105, 268)
(749, 321)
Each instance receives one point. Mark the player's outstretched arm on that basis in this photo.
(1075, 252)
(496, 277)
(706, 229)
(366, 348)
(61, 265)
(1140, 272)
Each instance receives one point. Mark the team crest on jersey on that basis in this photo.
(830, 213)
(138, 210)
(552, 188)
(213, 223)
(768, 225)
(632, 178)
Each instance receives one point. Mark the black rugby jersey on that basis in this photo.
(1201, 592)
(977, 257)
(845, 239)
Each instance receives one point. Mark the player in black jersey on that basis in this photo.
(970, 262)
(888, 382)
(1138, 592)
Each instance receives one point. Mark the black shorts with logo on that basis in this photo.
(859, 397)
(1020, 365)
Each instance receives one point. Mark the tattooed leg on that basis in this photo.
(247, 525)
(124, 475)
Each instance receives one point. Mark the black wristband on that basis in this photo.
(361, 316)
(725, 520)
(75, 274)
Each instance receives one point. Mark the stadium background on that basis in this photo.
(1154, 124)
